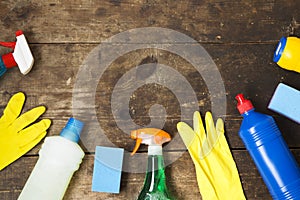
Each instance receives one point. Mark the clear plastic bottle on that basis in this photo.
(270, 152)
(59, 157)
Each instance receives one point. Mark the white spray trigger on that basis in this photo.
(23, 55)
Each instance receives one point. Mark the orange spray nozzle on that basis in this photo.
(149, 136)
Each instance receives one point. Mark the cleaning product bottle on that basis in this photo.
(269, 151)
(60, 157)
(287, 53)
(155, 187)
(21, 56)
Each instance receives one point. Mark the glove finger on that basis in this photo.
(220, 126)
(212, 135)
(33, 143)
(13, 109)
(222, 138)
(32, 132)
(198, 126)
(187, 134)
(28, 117)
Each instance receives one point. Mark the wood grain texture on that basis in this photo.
(208, 21)
(239, 36)
(47, 85)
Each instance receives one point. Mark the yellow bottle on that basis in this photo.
(287, 53)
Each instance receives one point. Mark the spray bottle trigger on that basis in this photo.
(137, 145)
(8, 44)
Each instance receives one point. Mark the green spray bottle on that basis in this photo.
(155, 187)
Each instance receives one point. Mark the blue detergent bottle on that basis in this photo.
(269, 151)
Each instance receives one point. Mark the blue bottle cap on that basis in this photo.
(2, 67)
(279, 49)
(72, 130)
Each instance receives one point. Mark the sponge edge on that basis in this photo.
(285, 101)
(107, 169)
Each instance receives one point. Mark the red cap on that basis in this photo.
(243, 105)
(18, 33)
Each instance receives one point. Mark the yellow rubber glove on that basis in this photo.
(216, 171)
(16, 136)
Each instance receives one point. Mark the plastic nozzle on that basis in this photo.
(72, 130)
(19, 32)
(149, 136)
(243, 105)
(21, 57)
(22, 54)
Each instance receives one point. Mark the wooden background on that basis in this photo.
(240, 36)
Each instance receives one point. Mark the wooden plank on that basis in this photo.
(239, 36)
(53, 77)
(180, 174)
(206, 21)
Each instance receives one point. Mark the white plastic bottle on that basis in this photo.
(59, 157)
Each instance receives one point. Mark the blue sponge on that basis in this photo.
(107, 169)
(285, 101)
